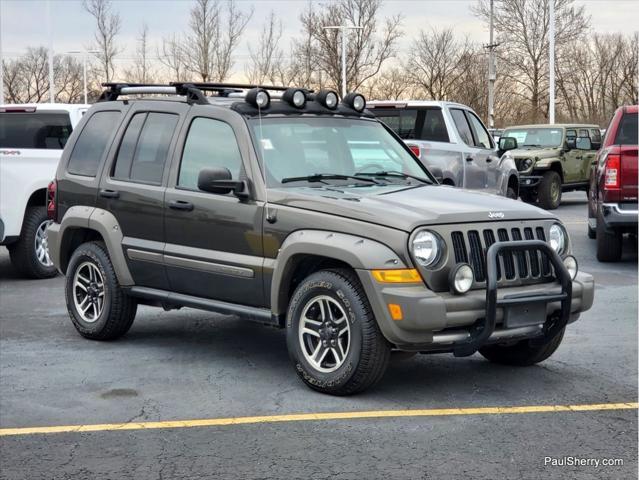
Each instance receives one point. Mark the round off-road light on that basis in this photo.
(356, 101)
(327, 98)
(258, 98)
(295, 97)
(427, 248)
(558, 238)
(461, 278)
(571, 265)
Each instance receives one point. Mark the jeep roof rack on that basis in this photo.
(194, 91)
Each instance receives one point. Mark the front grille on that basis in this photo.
(524, 265)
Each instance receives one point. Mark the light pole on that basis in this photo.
(84, 68)
(492, 74)
(343, 29)
(551, 63)
(50, 38)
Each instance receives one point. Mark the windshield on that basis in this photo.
(305, 147)
(536, 137)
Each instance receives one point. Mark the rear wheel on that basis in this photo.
(97, 305)
(30, 254)
(549, 195)
(511, 193)
(332, 335)
(522, 353)
(609, 243)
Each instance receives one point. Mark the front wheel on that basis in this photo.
(333, 339)
(549, 191)
(97, 305)
(527, 196)
(522, 353)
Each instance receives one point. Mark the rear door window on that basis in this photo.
(627, 131)
(434, 128)
(145, 147)
(463, 128)
(38, 130)
(402, 121)
(92, 142)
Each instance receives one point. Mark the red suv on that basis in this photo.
(612, 199)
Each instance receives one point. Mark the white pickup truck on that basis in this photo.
(32, 138)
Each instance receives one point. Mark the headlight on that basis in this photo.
(427, 248)
(558, 238)
(527, 163)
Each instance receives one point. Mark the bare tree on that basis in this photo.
(107, 27)
(171, 56)
(214, 33)
(266, 62)
(435, 63)
(142, 70)
(522, 27)
(26, 79)
(390, 84)
(368, 47)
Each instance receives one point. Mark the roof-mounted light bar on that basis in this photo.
(328, 99)
(258, 97)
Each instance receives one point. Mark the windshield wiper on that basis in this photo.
(320, 177)
(394, 173)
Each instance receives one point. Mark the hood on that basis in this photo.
(535, 152)
(406, 207)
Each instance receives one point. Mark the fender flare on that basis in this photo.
(100, 221)
(359, 252)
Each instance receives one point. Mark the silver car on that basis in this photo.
(451, 140)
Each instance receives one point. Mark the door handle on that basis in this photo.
(181, 205)
(106, 193)
(469, 158)
(489, 159)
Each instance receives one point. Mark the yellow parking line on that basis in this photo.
(306, 417)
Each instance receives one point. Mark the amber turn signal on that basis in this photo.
(395, 311)
(405, 275)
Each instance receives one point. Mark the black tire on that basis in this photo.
(118, 311)
(523, 353)
(592, 233)
(23, 252)
(511, 193)
(527, 196)
(549, 191)
(368, 352)
(609, 243)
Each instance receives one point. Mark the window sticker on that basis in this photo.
(267, 144)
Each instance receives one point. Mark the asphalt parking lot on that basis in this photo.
(187, 364)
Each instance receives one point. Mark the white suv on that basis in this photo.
(32, 138)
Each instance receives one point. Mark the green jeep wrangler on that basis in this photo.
(551, 159)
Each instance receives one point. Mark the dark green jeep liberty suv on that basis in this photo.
(302, 211)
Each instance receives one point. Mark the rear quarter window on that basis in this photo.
(37, 130)
(90, 146)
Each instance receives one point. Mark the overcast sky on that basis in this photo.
(23, 22)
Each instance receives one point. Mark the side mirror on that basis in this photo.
(571, 143)
(583, 143)
(219, 180)
(507, 143)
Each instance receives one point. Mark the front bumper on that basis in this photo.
(616, 215)
(529, 181)
(439, 321)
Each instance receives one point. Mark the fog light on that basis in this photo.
(461, 278)
(570, 263)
